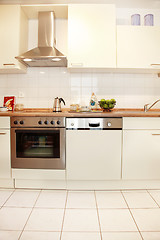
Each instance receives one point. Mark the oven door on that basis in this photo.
(38, 148)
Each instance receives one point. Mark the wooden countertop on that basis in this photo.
(117, 112)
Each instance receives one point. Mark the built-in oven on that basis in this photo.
(38, 142)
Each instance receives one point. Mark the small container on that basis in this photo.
(3, 109)
(93, 102)
(74, 107)
(149, 20)
(136, 19)
(19, 107)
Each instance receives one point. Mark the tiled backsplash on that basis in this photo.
(41, 85)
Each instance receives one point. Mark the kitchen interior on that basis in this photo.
(80, 120)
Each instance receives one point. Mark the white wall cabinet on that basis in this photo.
(90, 157)
(138, 47)
(141, 149)
(5, 156)
(14, 39)
(91, 36)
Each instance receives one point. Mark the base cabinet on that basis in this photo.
(93, 155)
(141, 149)
(5, 156)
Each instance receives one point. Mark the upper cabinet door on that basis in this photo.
(91, 36)
(14, 39)
(138, 46)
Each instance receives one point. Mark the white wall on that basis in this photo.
(41, 85)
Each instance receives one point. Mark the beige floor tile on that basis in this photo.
(22, 198)
(80, 199)
(116, 220)
(13, 218)
(40, 235)
(4, 195)
(80, 236)
(110, 200)
(121, 236)
(51, 199)
(139, 200)
(9, 235)
(81, 220)
(151, 235)
(147, 219)
(45, 220)
(156, 195)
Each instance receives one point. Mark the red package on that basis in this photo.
(9, 102)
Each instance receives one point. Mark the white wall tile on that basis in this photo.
(41, 85)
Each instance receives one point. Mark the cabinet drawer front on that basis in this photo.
(141, 123)
(4, 122)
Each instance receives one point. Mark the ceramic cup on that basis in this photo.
(136, 19)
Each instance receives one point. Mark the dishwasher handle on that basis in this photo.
(94, 124)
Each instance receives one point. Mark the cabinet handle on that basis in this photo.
(155, 134)
(2, 133)
(76, 64)
(155, 64)
(8, 64)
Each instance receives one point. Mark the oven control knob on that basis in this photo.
(46, 122)
(58, 122)
(40, 122)
(52, 122)
(16, 122)
(109, 124)
(72, 124)
(21, 122)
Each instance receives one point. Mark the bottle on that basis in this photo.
(93, 102)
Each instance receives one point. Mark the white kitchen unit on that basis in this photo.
(91, 156)
(14, 38)
(39, 178)
(91, 36)
(5, 155)
(141, 149)
(138, 47)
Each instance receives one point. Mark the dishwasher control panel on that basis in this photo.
(93, 123)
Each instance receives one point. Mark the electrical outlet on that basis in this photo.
(21, 94)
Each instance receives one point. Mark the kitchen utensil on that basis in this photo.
(57, 104)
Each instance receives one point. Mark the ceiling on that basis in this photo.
(119, 3)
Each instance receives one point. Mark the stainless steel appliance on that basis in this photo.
(38, 142)
(57, 104)
(45, 55)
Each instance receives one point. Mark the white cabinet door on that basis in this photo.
(13, 38)
(5, 158)
(138, 46)
(93, 155)
(91, 36)
(141, 154)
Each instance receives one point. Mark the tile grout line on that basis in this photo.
(152, 198)
(8, 198)
(131, 214)
(98, 215)
(64, 215)
(29, 215)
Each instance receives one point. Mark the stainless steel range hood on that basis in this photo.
(45, 55)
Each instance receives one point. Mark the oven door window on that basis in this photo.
(37, 144)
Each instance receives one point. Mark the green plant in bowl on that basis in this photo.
(107, 105)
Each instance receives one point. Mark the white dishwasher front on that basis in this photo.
(93, 148)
